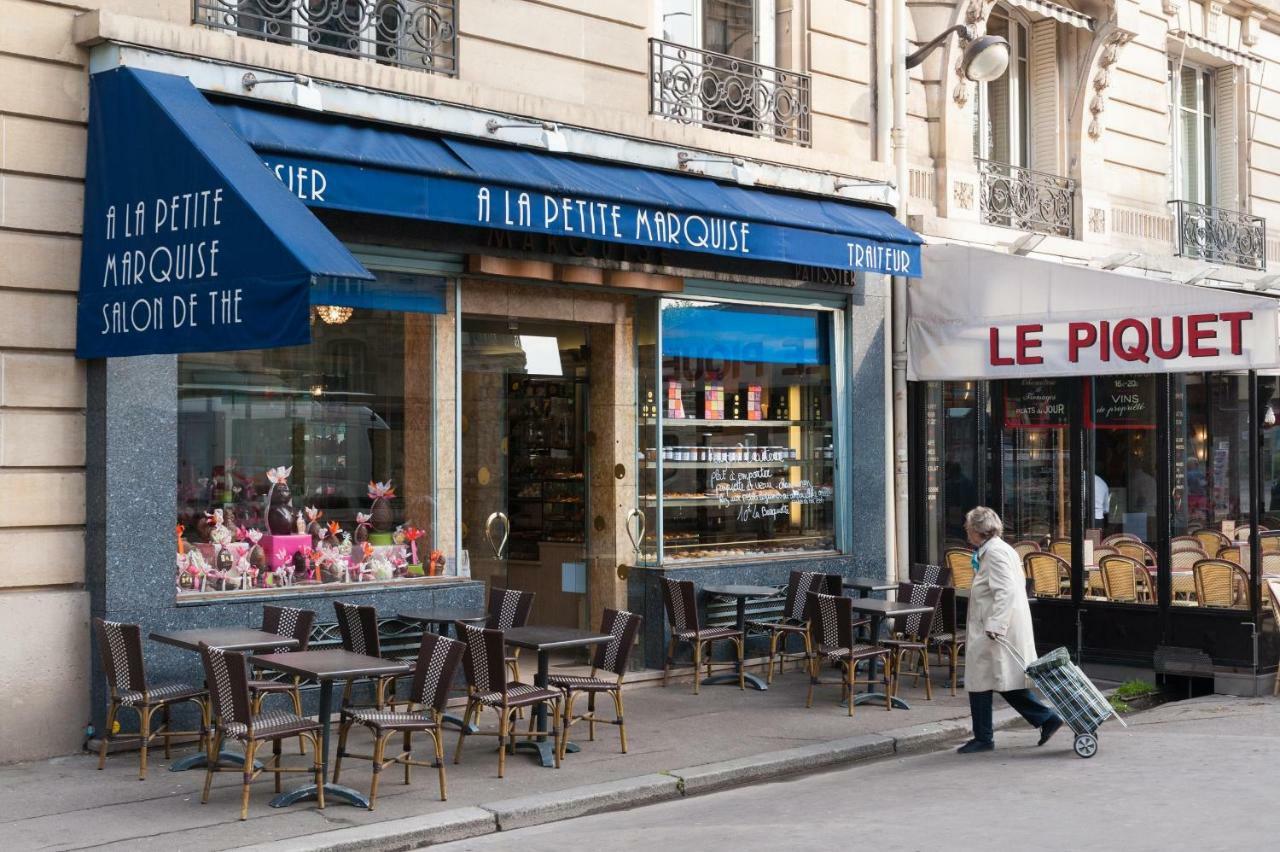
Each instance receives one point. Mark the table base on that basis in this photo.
(877, 698)
(456, 721)
(332, 792)
(545, 749)
(723, 678)
(200, 760)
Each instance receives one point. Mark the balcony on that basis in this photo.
(1220, 236)
(695, 86)
(1014, 197)
(417, 34)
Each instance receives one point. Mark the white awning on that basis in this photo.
(1059, 13)
(988, 315)
(1216, 49)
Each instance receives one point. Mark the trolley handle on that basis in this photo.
(1008, 646)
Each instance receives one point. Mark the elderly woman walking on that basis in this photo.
(998, 609)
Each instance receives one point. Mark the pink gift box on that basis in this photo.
(290, 544)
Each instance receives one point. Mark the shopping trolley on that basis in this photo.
(1071, 694)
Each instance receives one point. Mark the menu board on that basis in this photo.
(1036, 404)
(1123, 402)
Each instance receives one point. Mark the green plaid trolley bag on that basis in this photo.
(1071, 694)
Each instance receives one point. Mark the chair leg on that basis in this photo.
(559, 740)
(504, 722)
(697, 665)
(164, 718)
(296, 695)
(318, 758)
(144, 712)
(569, 698)
(591, 719)
(622, 724)
(250, 748)
(890, 683)
(813, 678)
(275, 755)
(849, 671)
(741, 642)
(344, 727)
(928, 683)
(437, 737)
(211, 764)
(408, 754)
(111, 724)
(462, 731)
(773, 652)
(379, 749)
(666, 664)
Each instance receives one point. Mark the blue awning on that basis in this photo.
(189, 243)
(348, 165)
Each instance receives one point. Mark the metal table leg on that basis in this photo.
(307, 792)
(732, 677)
(870, 697)
(542, 746)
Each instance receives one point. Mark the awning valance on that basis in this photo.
(355, 166)
(189, 243)
(1059, 13)
(987, 315)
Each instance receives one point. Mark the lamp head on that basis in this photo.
(985, 58)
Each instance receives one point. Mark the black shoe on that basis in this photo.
(1048, 729)
(975, 746)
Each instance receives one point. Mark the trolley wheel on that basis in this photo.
(1086, 745)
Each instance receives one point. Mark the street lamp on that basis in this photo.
(985, 58)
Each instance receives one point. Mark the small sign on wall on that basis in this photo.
(573, 578)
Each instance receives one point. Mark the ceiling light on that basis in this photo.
(333, 314)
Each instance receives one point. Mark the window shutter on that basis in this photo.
(1226, 121)
(1043, 126)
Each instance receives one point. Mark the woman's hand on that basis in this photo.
(991, 634)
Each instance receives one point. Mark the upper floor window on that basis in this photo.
(1191, 97)
(743, 29)
(1001, 110)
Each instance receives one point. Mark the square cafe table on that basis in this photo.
(864, 588)
(741, 593)
(442, 619)
(880, 610)
(228, 639)
(326, 666)
(544, 640)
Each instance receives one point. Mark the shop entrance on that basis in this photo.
(525, 497)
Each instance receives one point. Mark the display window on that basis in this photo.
(737, 431)
(313, 465)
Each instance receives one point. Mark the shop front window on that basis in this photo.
(957, 462)
(737, 434)
(1034, 448)
(313, 465)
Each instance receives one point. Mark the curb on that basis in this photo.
(407, 833)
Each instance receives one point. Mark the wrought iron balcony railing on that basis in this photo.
(703, 87)
(1220, 236)
(1014, 197)
(418, 34)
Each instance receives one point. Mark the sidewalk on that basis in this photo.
(66, 803)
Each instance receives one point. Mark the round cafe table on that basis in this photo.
(741, 593)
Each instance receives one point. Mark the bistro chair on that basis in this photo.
(1242, 532)
(1025, 546)
(911, 634)
(487, 686)
(1211, 540)
(437, 663)
(1136, 551)
(296, 624)
(1048, 573)
(1220, 583)
(795, 620)
(930, 575)
(609, 657)
(948, 635)
(227, 673)
(960, 563)
(1269, 541)
(358, 629)
(120, 646)
(831, 622)
(682, 617)
(1231, 553)
(1185, 542)
(1183, 582)
(509, 608)
(1126, 580)
(1270, 563)
(1061, 547)
(1114, 538)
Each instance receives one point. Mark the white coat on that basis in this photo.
(998, 604)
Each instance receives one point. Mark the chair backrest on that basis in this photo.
(1185, 560)
(1101, 551)
(1271, 562)
(291, 622)
(1047, 573)
(1061, 547)
(1211, 540)
(948, 619)
(1242, 531)
(1111, 540)
(1123, 577)
(959, 561)
(438, 659)
(799, 585)
(831, 621)
(1269, 541)
(120, 645)
(919, 625)
(681, 604)
(1231, 553)
(508, 608)
(1185, 542)
(484, 661)
(929, 574)
(1136, 551)
(1221, 583)
(623, 626)
(227, 675)
(358, 627)
(1025, 546)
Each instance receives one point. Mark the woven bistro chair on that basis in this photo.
(930, 575)
(1185, 542)
(508, 608)
(1211, 540)
(911, 634)
(1183, 584)
(358, 629)
(831, 622)
(437, 663)
(1061, 547)
(794, 621)
(486, 667)
(1231, 553)
(120, 646)
(1220, 583)
(1025, 546)
(227, 673)
(1114, 538)
(1093, 574)
(296, 624)
(960, 562)
(1270, 563)
(948, 635)
(1048, 574)
(1136, 551)
(1269, 541)
(609, 657)
(1242, 532)
(682, 617)
(1126, 580)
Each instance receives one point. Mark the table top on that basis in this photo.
(872, 606)
(328, 664)
(741, 591)
(863, 586)
(553, 638)
(443, 616)
(226, 638)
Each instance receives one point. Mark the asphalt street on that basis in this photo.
(1195, 774)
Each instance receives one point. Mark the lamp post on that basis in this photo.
(985, 58)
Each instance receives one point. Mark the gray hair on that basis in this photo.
(983, 521)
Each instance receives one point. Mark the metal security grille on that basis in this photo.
(715, 90)
(418, 34)
(1222, 236)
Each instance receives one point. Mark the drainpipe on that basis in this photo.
(897, 305)
(884, 81)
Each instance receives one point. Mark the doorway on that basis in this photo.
(525, 496)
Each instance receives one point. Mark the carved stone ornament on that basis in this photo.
(975, 18)
(1171, 8)
(963, 193)
(1102, 78)
(1097, 220)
